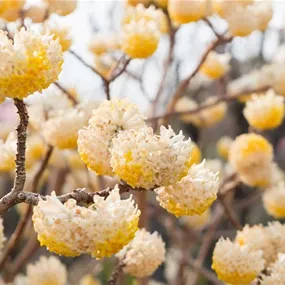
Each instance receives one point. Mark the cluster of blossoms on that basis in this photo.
(101, 230)
(11, 11)
(28, 64)
(251, 156)
(243, 17)
(254, 249)
(118, 142)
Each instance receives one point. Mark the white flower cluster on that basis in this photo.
(100, 230)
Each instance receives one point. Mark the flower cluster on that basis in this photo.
(72, 230)
(193, 194)
(251, 156)
(29, 64)
(142, 256)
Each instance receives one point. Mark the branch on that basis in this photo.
(20, 178)
(208, 105)
(116, 273)
(25, 217)
(67, 93)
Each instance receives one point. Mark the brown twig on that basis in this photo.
(208, 105)
(185, 82)
(66, 92)
(116, 273)
(20, 178)
(25, 217)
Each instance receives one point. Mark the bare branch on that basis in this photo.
(66, 92)
(116, 273)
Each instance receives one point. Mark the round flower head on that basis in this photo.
(144, 159)
(95, 141)
(278, 83)
(29, 64)
(274, 200)
(241, 21)
(277, 272)
(257, 238)
(250, 151)
(143, 254)
(2, 237)
(161, 3)
(194, 194)
(136, 2)
(236, 264)
(216, 65)
(100, 230)
(186, 11)
(104, 64)
(60, 7)
(60, 32)
(7, 155)
(35, 149)
(10, 10)
(263, 12)
(118, 223)
(197, 222)
(265, 112)
(223, 146)
(62, 130)
(48, 270)
(37, 12)
(140, 39)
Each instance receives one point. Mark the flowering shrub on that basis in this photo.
(190, 171)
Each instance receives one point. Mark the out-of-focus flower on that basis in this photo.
(29, 64)
(277, 272)
(196, 155)
(95, 141)
(35, 149)
(36, 12)
(186, 11)
(197, 222)
(2, 237)
(60, 32)
(60, 7)
(10, 10)
(236, 264)
(102, 43)
(194, 194)
(146, 160)
(278, 80)
(274, 200)
(265, 112)
(88, 279)
(140, 39)
(48, 270)
(241, 21)
(257, 238)
(143, 254)
(7, 155)
(62, 130)
(216, 65)
(263, 12)
(223, 146)
(222, 8)
(104, 64)
(251, 156)
(102, 229)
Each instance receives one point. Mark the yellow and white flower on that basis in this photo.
(236, 264)
(60, 7)
(144, 159)
(143, 254)
(48, 270)
(265, 112)
(192, 195)
(29, 64)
